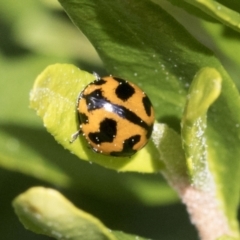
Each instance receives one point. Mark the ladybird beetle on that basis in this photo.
(116, 117)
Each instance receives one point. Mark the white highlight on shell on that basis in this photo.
(108, 107)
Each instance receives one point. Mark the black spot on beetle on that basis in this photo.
(99, 82)
(124, 90)
(147, 105)
(83, 118)
(130, 142)
(107, 132)
(95, 100)
(128, 145)
(129, 115)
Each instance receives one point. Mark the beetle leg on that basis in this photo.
(75, 136)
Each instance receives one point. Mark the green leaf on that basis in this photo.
(217, 10)
(124, 236)
(207, 162)
(46, 211)
(204, 90)
(209, 32)
(54, 97)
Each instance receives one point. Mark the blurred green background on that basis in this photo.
(34, 34)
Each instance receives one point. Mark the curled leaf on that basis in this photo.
(204, 90)
(54, 97)
(46, 211)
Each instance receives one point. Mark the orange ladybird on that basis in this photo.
(116, 117)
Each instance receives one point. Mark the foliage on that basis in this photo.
(195, 100)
